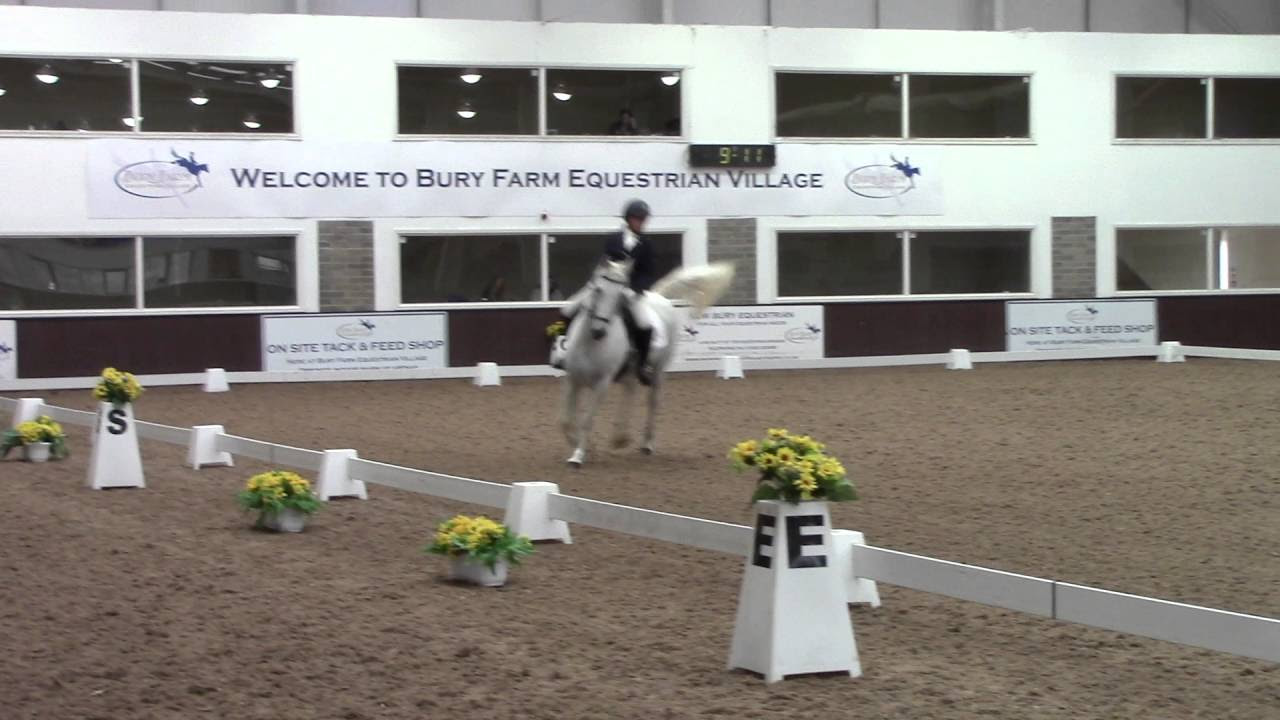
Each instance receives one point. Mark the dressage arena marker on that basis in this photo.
(527, 512)
(203, 448)
(487, 374)
(730, 367)
(1171, 352)
(215, 380)
(1240, 634)
(26, 410)
(114, 459)
(960, 360)
(335, 479)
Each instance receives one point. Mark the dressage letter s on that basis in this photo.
(116, 422)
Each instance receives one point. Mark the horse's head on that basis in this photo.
(608, 284)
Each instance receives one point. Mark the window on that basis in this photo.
(902, 106)
(215, 97)
(509, 268)
(829, 105)
(468, 101)
(828, 264)
(218, 271)
(99, 273)
(1240, 258)
(1197, 108)
(612, 102)
(849, 263)
(68, 273)
(59, 94)
(505, 101)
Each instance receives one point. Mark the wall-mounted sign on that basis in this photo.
(1080, 324)
(374, 341)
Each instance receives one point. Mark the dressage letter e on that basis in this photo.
(116, 422)
(796, 542)
(757, 558)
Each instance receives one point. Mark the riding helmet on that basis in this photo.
(636, 208)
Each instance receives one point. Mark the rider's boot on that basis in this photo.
(644, 370)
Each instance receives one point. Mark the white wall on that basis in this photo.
(346, 92)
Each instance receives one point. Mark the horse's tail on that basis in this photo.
(700, 285)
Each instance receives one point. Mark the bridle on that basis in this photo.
(596, 290)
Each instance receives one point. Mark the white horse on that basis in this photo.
(598, 350)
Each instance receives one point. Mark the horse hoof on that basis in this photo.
(647, 449)
(575, 460)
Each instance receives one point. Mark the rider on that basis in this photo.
(642, 322)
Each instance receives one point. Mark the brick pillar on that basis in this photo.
(1075, 257)
(735, 240)
(346, 265)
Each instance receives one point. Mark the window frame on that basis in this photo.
(771, 257)
(1210, 97)
(541, 135)
(543, 233)
(135, 100)
(904, 99)
(1212, 235)
(139, 270)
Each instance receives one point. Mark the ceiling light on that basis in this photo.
(561, 93)
(470, 76)
(131, 121)
(115, 60)
(198, 97)
(46, 75)
(465, 111)
(2, 91)
(669, 78)
(251, 122)
(270, 80)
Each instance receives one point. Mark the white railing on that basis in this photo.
(1229, 632)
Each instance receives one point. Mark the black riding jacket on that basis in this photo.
(642, 271)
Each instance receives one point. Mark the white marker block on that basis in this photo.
(203, 448)
(1171, 352)
(730, 367)
(793, 616)
(26, 410)
(527, 512)
(215, 380)
(115, 461)
(857, 589)
(487, 374)
(959, 360)
(335, 477)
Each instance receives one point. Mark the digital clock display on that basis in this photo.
(727, 156)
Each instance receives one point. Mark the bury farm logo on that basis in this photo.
(1083, 316)
(161, 179)
(356, 330)
(691, 332)
(5, 352)
(807, 334)
(883, 181)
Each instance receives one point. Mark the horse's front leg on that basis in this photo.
(622, 424)
(584, 422)
(651, 420)
(569, 410)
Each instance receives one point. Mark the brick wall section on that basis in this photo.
(1075, 257)
(734, 240)
(346, 265)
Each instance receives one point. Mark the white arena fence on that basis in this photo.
(1224, 631)
(511, 371)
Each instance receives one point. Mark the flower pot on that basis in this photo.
(287, 520)
(37, 452)
(474, 571)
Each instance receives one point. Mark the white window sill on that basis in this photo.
(1183, 293)
(130, 135)
(133, 312)
(901, 141)
(902, 298)
(538, 138)
(1195, 141)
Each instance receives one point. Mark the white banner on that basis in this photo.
(226, 179)
(784, 332)
(8, 350)
(1079, 324)
(400, 341)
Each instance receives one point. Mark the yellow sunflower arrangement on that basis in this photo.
(117, 387)
(479, 538)
(556, 329)
(42, 429)
(793, 468)
(276, 490)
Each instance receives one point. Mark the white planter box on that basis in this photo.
(476, 572)
(287, 520)
(37, 452)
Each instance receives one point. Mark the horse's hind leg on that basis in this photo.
(651, 419)
(622, 424)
